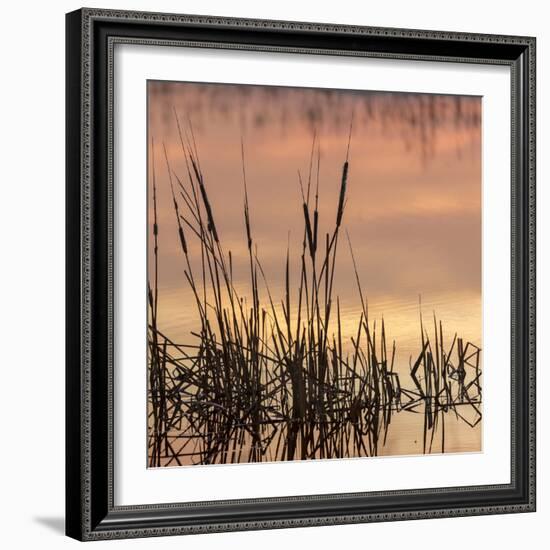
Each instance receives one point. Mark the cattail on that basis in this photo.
(246, 212)
(182, 239)
(342, 194)
(315, 227)
(308, 230)
(247, 223)
(211, 224)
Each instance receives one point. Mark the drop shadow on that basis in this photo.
(56, 524)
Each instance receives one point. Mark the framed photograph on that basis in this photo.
(300, 274)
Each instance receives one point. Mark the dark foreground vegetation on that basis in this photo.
(271, 379)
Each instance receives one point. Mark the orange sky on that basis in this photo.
(414, 195)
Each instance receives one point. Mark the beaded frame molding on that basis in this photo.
(90, 510)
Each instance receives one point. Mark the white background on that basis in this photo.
(32, 275)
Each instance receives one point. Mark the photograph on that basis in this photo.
(314, 266)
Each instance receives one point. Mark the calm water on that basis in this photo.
(413, 212)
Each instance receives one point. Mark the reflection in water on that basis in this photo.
(419, 118)
(227, 383)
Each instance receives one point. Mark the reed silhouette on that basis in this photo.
(273, 379)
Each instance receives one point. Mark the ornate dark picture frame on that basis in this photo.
(90, 510)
